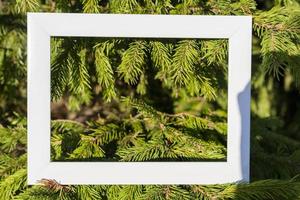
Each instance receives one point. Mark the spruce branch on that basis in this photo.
(107, 133)
(265, 189)
(279, 32)
(133, 61)
(12, 184)
(37, 193)
(142, 85)
(88, 148)
(65, 136)
(9, 165)
(89, 192)
(246, 7)
(13, 140)
(23, 6)
(69, 71)
(275, 50)
(158, 7)
(166, 192)
(201, 85)
(91, 6)
(60, 70)
(186, 72)
(143, 108)
(199, 123)
(146, 151)
(124, 6)
(136, 132)
(56, 146)
(63, 124)
(215, 51)
(190, 147)
(79, 76)
(277, 20)
(129, 192)
(170, 143)
(161, 58)
(105, 74)
(185, 57)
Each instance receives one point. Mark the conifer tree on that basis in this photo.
(154, 100)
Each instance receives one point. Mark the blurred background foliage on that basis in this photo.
(275, 106)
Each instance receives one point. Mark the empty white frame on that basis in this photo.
(41, 26)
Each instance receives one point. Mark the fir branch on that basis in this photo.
(91, 6)
(186, 73)
(9, 165)
(88, 148)
(75, 100)
(113, 192)
(23, 6)
(142, 85)
(133, 61)
(190, 147)
(129, 192)
(185, 57)
(263, 190)
(60, 70)
(124, 6)
(215, 51)
(174, 146)
(161, 58)
(89, 192)
(107, 133)
(69, 71)
(158, 7)
(13, 184)
(201, 85)
(279, 32)
(79, 76)
(275, 51)
(134, 134)
(37, 193)
(278, 21)
(246, 7)
(145, 151)
(13, 139)
(220, 7)
(65, 136)
(63, 124)
(168, 192)
(199, 123)
(189, 7)
(11, 22)
(105, 74)
(143, 108)
(56, 146)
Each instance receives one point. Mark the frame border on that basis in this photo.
(41, 26)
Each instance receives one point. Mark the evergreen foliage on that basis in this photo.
(135, 99)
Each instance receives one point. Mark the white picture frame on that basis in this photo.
(237, 29)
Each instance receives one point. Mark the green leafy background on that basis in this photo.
(81, 69)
